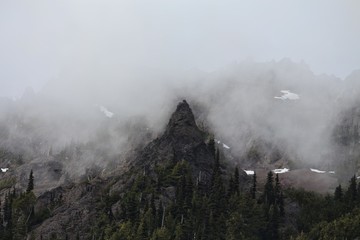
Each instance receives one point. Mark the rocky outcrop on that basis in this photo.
(75, 209)
(182, 140)
(48, 174)
(346, 137)
(71, 211)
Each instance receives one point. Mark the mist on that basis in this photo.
(238, 104)
(105, 76)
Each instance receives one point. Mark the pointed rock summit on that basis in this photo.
(183, 116)
(182, 140)
(182, 127)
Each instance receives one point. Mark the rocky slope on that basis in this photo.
(72, 210)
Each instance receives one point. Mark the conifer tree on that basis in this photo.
(253, 187)
(231, 187)
(281, 204)
(1, 218)
(338, 195)
(179, 232)
(269, 190)
(7, 211)
(217, 187)
(30, 186)
(351, 193)
(272, 230)
(277, 186)
(211, 146)
(189, 188)
(236, 180)
(217, 201)
(234, 183)
(358, 191)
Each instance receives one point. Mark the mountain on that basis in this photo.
(178, 186)
(182, 140)
(72, 207)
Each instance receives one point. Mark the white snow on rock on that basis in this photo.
(287, 95)
(249, 172)
(317, 171)
(4, 169)
(106, 112)
(281, 170)
(226, 146)
(223, 144)
(331, 172)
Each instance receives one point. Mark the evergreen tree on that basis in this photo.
(272, 231)
(1, 219)
(179, 232)
(211, 146)
(253, 187)
(236, 180)
(217, 161)
(217, 187)
(269, 195)
(217, 201)
(148, 222)
(161, 234)
(30, 186)
(338, 195)
(281, 204)
(358, 191)
(188, 190)
(234, 183)
(7, 211)
(279, 197)
(141, 233)
(277, 189)
(351, 193)
(231, 188)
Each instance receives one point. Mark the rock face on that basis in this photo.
(346, 138)
(74, 209)
(48, 174)
(182, 140)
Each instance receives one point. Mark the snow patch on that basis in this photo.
(249, 172)
(4, 169)
(331, 172)
(223, 144)
(317, 171)
(226, 146)
(287, 95)
(281, 170)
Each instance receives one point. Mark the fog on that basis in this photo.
(240, 104)
(134, 60)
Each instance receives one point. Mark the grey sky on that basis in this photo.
(44, 40)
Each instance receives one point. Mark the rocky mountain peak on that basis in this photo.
(182, 140)
(183, 116)
(182, 127)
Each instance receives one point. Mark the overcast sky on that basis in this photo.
(43, 40)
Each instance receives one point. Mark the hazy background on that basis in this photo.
(45, 40)
(137, 58)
